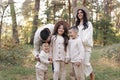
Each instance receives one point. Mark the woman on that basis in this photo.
(86, 34)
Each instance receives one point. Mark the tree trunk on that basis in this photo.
(14, 23)
(3, 8)
(1, 28)
(35, 20)
(106, 13)
(54, 10)
(74, 5)
(69, 8)
(84, 3)
(47, 13)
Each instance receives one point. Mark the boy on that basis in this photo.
(42, 66)
(76, 52)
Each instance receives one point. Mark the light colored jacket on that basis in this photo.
(76, 50)
(86, 36)
(57, 51)
(37, 38)
(43, 64)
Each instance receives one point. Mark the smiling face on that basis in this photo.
(72, 33)
(45, 47)
(60, 30)
(80, 14)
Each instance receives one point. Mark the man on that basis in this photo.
(42, 35)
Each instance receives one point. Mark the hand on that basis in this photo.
(51, 62)
(37, 58)
(50, 59)
(78, 64)
(67, 60)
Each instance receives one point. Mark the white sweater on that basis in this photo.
(37, 39)
(57, 48)
(86, 36)
(43, 64)
(76, 50)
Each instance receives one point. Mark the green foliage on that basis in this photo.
(27, 9)
(112, 53)
(65, 16)
(13, 54)
(104, 32)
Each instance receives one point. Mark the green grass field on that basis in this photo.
(105, 69)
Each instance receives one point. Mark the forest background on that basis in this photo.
(19, 19)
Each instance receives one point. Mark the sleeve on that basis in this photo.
(81, 50)
(88, 37)
(43, 59)
(51, 28)
(36, 50)
(67, 57)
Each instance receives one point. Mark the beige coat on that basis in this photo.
(37, 39)
(57, 48)
(86, 36)
(87, 39)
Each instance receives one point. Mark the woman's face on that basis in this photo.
(60, 30)
(80, 14)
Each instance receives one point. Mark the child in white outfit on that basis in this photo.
(76, 52)
(42, 66)
(58, 49)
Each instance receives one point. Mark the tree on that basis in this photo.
(27, 12)
(27, 9)
(84, 3)
(3, 8)
(69, 8)
(74, 5)
(14, 23)
(35, 20)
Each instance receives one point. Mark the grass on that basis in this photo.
(25, 70)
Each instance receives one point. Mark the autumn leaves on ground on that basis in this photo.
(17, 63)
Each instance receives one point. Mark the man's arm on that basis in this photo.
(36, 43)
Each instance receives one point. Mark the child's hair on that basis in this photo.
(44, 34)
(74, 28)
(65, 34)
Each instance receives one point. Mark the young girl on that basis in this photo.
(59, 42)
(42, 66)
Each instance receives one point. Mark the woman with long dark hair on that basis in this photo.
(86, 34)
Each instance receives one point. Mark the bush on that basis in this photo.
(112, 53)
(14, 54)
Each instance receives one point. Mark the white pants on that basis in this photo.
(59, 69)
(41, 75)
(87, 64)
(77, 73)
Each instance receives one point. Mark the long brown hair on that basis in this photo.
(85, 20)
(65, 34)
